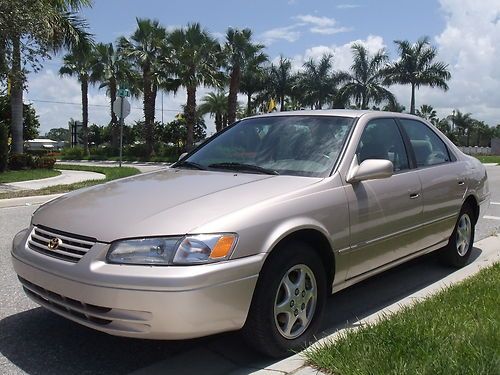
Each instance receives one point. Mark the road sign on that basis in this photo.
(123, 93)
(120, 109)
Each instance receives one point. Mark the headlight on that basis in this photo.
(197, 249)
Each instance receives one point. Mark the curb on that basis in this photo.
(296, 365)
(27, 201)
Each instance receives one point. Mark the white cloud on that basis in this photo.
(321, 25)
(470, 44)
(348, 6)
(315, 20)
(288, 33)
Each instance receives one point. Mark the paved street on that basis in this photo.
(36, 341)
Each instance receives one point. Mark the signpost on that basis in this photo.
(121, 108)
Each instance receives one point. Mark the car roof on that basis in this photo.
(353, 113)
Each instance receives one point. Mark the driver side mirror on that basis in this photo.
(370, 169)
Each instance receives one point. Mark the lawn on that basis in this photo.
(112, 173)
(456, 331)
(489, 159)
(27, 175)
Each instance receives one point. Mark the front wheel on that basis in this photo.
(459, 248)
(288, 301)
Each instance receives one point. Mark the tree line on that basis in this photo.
(153, 60)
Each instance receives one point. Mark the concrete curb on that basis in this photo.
(296, 365)
(27, 201)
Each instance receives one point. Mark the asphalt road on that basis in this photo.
(36, 341)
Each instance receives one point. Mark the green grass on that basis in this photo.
(456, 331)
(112, 173)
(27, 175)
(489, 159)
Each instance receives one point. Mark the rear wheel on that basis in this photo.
(288, 301)
(459, 248)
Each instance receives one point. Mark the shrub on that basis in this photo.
(136, 151)
(73, 153)
(45, 162)
(20, 161)
(4, 147)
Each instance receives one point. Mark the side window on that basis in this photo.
(429, 149)
(381, 139)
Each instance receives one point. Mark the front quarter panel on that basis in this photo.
(321, 207)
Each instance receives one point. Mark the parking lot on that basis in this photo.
(36, 341)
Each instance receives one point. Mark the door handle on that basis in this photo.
(461, 182)
(414, 195)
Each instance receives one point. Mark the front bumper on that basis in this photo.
(140, 301)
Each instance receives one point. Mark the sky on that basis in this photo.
(466, 33)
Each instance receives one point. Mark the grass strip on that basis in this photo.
(489, 159)
(111, 173)
(454, 332)
(27, 175)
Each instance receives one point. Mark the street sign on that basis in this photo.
(121, 110)
(123, 93)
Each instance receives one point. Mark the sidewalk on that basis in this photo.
(65, 178)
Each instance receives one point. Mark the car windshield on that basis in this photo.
(284, 145)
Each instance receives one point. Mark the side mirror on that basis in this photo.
(370, 169)
(182, 155)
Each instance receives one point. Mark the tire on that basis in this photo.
(457, 253)
(282, 321)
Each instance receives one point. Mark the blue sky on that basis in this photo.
(467, 33)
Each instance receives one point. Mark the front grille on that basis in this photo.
(71, 248)
(90, 313)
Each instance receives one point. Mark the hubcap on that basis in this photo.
(464, 233)
(295, 301)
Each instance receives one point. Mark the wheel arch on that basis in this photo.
(317, 239)
(472, 201)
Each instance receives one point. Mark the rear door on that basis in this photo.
(382, 212)
(442, 178)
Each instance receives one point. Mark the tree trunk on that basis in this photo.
(85, 113)
(468, 136)
(190, 116)
(232, 99)
(218, 122)
(412, 104)
(148, 117)
(282, 103)
(16, 97)
(249, 104)
(115, 126)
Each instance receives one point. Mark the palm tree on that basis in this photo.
(281, 80)
(318, 81)
(463, 121)
(416, 67)
(394, 107)
(144, 49)
(38, 27)
(216, 105)
(427, 112)
(112, 69)
(195, 59)
(366, 80)
(253, 80)
(239, 51)
(79, 63)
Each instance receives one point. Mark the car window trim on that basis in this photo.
(411, 146)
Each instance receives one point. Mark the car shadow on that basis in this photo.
(40, 342)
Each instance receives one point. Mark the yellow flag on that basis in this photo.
(272, 106)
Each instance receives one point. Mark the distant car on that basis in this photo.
(254, 228)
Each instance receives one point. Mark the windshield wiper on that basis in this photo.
(243, 167)
(190, 164)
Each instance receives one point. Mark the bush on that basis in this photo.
(73, 153)
(20, 161)
(45, 162)
(136, 151)
(4, 147)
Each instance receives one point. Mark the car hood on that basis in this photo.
(167, 202)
